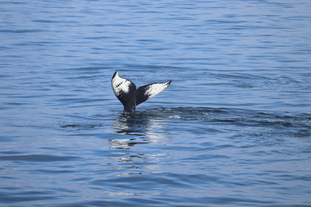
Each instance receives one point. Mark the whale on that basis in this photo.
(125, 90)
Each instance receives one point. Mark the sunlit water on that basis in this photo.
(233, 129)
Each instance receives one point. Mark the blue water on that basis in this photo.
(233, 128)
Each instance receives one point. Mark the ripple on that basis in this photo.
(39, 158)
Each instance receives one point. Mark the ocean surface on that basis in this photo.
(232, 129)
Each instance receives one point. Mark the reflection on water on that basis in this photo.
(141, 127)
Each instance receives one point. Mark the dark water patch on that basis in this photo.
(184, 201)
(151, 68)
(180, 201)
(7, 177)
(23, 31)
(153, 181)
(88, 69)
(63, 21)
(218, 147)
(232, 201)
(206, 157)
(57, 172)
(302, 133)
(6, 198)
(80, 126)
(292, 177)
(11, 152)
(115, 203)
(39, 158)
(4, 76)
(100, 37)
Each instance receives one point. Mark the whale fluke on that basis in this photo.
(125, 91)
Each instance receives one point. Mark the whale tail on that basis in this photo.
(125, 90)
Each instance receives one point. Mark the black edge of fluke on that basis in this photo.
(125, 90)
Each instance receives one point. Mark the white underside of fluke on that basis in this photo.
(156, 88)
(120, 85)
